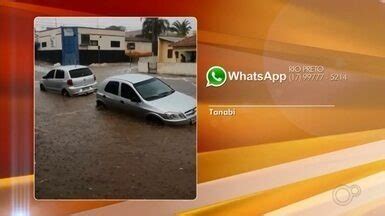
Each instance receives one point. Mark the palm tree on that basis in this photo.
(152, 28)
(181, 28)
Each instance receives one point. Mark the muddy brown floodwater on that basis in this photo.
(82, 152)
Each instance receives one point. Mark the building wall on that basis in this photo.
(140, 47)
(187, 69)
(87, 57)
(87, 54)
(143, 63)
(52, 56)
(183, 50)
(51, 37)
(163, 47)
(104, 38)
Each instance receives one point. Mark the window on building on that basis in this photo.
(59, 74)
(112, 87)
(94, 43)
(169, 53)
(85, 39)
(130, 46)
(115, 43)
(43, 44)
(127, 92)
(176, 54)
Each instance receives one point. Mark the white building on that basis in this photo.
(80, 45)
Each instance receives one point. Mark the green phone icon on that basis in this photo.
(216, 76)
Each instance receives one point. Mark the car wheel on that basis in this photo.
(65, 93)
(42, 88)
(153, 119)
(100, 105)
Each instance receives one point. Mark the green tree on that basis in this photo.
(181, 28)
(152, 28)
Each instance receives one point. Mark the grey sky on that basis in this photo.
(131, 23)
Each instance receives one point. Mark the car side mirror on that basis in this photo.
(44, 77)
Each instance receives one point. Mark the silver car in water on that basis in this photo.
(69, 80)
(146, 96)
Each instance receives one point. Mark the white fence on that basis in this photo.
(143, 63)
(189, 69)
(186, 69)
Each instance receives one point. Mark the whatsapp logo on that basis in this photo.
(216, 76)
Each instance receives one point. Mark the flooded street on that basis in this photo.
(83, 152)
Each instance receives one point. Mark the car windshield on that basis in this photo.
(81, 72)
(153, 89)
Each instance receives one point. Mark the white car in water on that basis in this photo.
(69, 80)
(147, 96)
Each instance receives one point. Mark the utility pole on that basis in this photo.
(154, 36)
(100, 39)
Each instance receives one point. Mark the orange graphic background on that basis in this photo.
(344, 36)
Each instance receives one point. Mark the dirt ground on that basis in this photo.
(82, 152)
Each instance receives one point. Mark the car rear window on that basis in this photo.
(81, 72)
